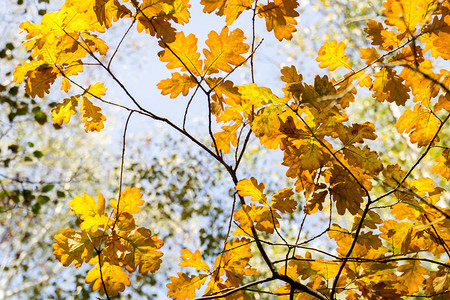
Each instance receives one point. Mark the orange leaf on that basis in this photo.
(178, 84)
(250, 187)
(142, 251)
(129, 202)
(112, 277)
(443, 166)
(183, 287)
(92, 117)
(331, 56)
(280, 17)
(225, 50)
(185, 48)
(283, 202)
(73, 247)
(421, 124)
(63, 111)
(388, 86)
(193, 260)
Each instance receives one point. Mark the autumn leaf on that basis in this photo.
(184, 286)
(92, 117)
(129, 201)
(280, 17)
(143, 251)
(193, 260)
(63, 111)
(421, 124)
(413, 275)
(406, 15)
(283, 202)
(112, 277)
(388, 86)
(262, 217)
(443, 166)
(250, 187)
(327, 269)
(178, 84)
(345, 191)
(183, 54)
(107, 10)
(331, 56)
(357, 133)
(225, 50)
(73, 247)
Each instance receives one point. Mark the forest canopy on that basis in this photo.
(324, 184)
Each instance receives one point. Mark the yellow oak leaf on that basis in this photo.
(129, 201)
(388, 86)
(92, 214)
(178, 84)
(443, 102)
(364, 158)
(283, 202)
(142, 251)
(236, 258)
(107, 10)
(85, 206)
(345, 191)
(63, 111)
(315, 202)
(185, 48)
(225, 50)
(112, 277)
(73, 247)
(327, 269)
(226, 137)
(39, 81)
(262, 217)
(406, 15)
(331, 56)
(92, 117)
(421, 124)
(232, 9)
(443, 166)
(441, 44)
(96, 90)
(370, 54)
(183, 287)
(65, 86)
(413, 275)
(250, 187)
(280, 17)
(193, 260)
(357, 133)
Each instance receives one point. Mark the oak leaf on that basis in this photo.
(225, 50)
(63, 111)
(112, 277)
(193, 260)
(283, 202)
(73, 247)
(250, 187)
(280, 17)
(129, 201)
(184, 286)
(443, 166)
(92, 117)
(183, 54)
(421, 124)
(143, 251)
(331, 56)
(178, 84)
